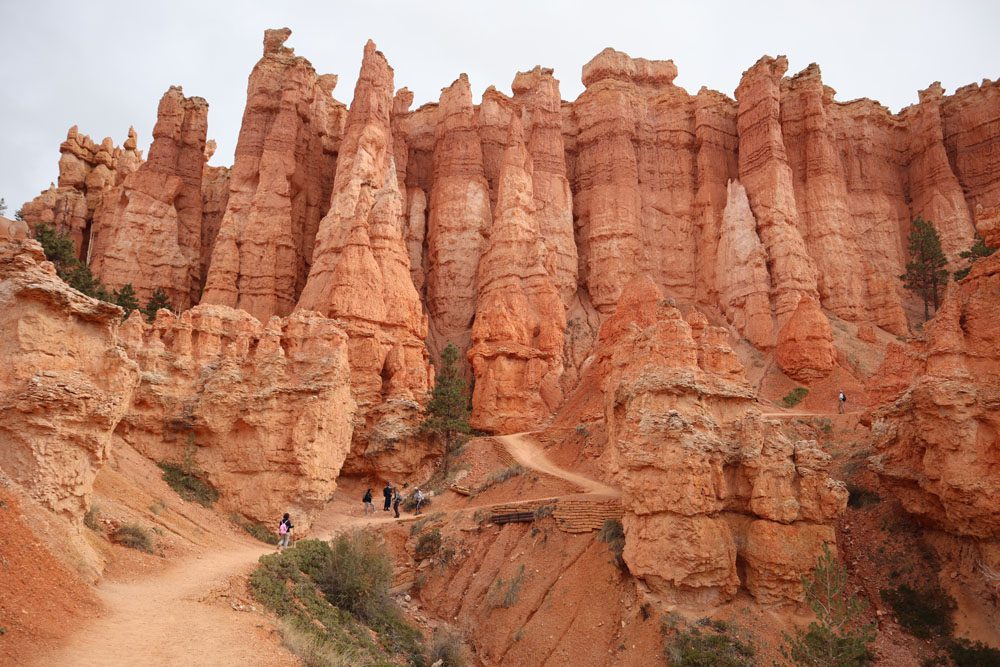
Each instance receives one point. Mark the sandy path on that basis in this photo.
(528, 454)
(159, 620)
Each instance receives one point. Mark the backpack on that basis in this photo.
(283, 528)
(843, 397)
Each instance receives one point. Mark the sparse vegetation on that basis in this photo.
(126, 299)
(794, 397)
(700, 648)
(328, 592)
(157, 301)
(838, 637)
(581, 430)
(157, 506)
(544, 511)
(92, 519)
(965, 653)
(925, 613)
(859, 496)
(428, 544)
(448, 646)
(926, 274)
(505, 592)
(133, 536)
(188, 484)
(613, 534)
(256, 530)
(978, 250)
(500, 477)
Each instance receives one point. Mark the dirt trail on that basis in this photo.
(531, 456)
(160, 620)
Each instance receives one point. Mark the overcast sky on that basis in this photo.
(103, 65)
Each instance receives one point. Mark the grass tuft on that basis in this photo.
(794, 397)
(133, 536)
(188, 485)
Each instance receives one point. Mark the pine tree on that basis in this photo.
(126, 299)
(925, 272)
(978, 250)
(838, 637)
(60, 250)
(158, 300)
(448, 409)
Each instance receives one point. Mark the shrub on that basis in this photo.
(157, 301)
(693, 648)
(428, 544)
(256, 530)
(613, 534)
(501, 476)
(965, 653)
(839, 636)
(357, 575)
(448, 646)
(924, 613)
(544, 511)
(859, 497)
(188, 484)
(92, 518)
(133, 536)
(794, 397)
(314, 650)
(505, 593)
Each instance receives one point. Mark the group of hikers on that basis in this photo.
(392, 497)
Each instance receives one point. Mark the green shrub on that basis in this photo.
(157, 301)
(965, 653)
(694, 648)
(133, 536)
(428, 544)
(256, 530)
(449, 647)
(794, 397)
(501, 476)
(925, 613)
(859, 496)
(188, 484)
(504, 592)
(613, 534)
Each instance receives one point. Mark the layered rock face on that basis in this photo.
(361, 271)
(937, 444)
(805, 343)
(86, 171)
(264, 410)
(64, 383)
(517, 338)
(279, 185)
(716, 498)
(148, 229)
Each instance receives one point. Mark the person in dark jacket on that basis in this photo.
(367, 500)
(387, 493)
(396, 499)
(284, 531)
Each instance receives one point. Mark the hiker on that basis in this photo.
(368, 502)
(284, 531)
(418, 498)
(841, 400)
(396, 499)
(387, 492)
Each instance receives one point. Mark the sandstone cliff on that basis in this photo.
(64, 384)
(264, 410)
(279, 185)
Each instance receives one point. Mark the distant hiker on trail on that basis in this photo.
(387, 492)
(418, 498)
(284, 531)
(368, 502)
(841, 400)
(396, 499)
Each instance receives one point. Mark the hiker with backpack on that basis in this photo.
(841, 400)
(418, 498)
(387, 493)
(367, 500)
(284, 532)
(396, 499)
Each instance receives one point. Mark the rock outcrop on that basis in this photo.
(805, 343)
(279, 185)
(147, 232)
(361, 271)
(64, 384)
(263, 411)
(716, 498)
(517, 338)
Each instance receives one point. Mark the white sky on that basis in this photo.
(103, 65)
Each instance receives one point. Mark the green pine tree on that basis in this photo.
(448, 409)
(158, 300)
(60, 250)
(978, 250)
(925, 272)
(838, 637)
(126, 299)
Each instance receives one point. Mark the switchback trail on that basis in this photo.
(529, 455)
